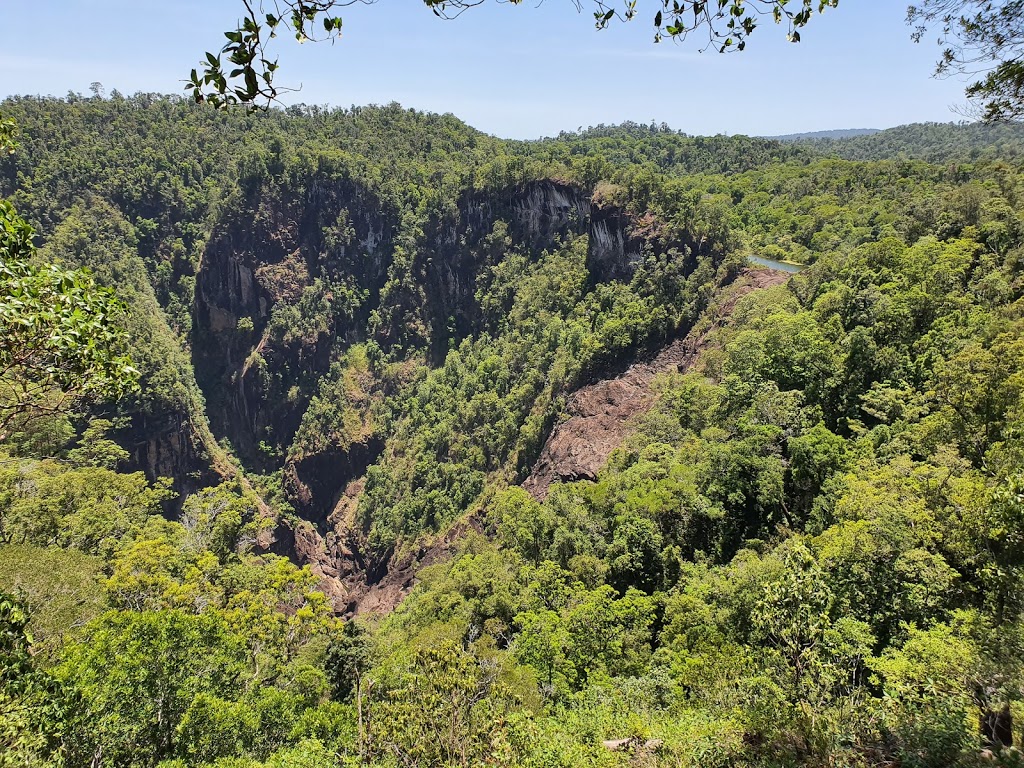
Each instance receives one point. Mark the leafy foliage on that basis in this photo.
(805, 552)
(62, 340)
(31, 708)
(985, 37)
(242, 73)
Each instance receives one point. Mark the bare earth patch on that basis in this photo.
(603, 414)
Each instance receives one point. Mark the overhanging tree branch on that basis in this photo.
(243, 72)
(979, 38)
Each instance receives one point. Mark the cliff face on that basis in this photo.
(328, 242)
(294, 275)
(287, 250)
(613, 249)
(451, 256)
(314, 483)
(170, 445)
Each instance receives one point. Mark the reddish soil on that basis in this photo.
(602, 415)
(353, 584)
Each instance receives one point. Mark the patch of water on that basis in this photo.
(779, 265)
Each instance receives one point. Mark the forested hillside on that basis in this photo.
(453, 451)
(934, 142)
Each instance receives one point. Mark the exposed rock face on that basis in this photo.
(270, 250)
(451, 260)
(613, 250)
(617, 242)
(536, 213)
(168, 446)
(272, 246)
(600, 418)
(314, 482)
(354, 583)
(267, 252)
(602, 415)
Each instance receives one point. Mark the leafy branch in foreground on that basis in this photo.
(243, 72)
(31, 705)
(979, 38)
(60, 335)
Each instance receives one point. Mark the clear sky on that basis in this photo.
(514, 71)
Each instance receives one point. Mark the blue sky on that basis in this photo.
(514, 71)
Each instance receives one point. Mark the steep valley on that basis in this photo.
(424, 448)
(321, 255)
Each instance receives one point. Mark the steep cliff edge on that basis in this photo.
(453, 251)
(300, 271)
(295, 273)
(284, 276)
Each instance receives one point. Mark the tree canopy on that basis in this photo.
(61, 340)
(803, 548)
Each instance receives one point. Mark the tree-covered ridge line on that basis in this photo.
(806, 553)
(932, 142)
(835, 133)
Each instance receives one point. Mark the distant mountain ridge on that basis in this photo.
(838, 133)
(931, 142)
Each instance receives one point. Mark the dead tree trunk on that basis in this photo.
(997, 727)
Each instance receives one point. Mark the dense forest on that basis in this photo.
(446, 450)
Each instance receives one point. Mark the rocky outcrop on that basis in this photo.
(267, 251)
(601, 415)
(313, 483)
(272, 245)
(618, 241)
(169, 445)
(451, 259)
(353, 581)
(536, 213)
(613, 250)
